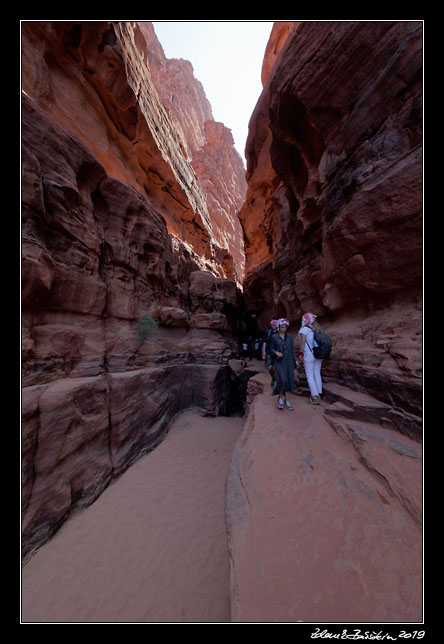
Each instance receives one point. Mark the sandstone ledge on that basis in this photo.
(322, 519)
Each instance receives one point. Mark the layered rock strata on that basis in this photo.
(94, 79)
(332, 218)
(318, 497)
(116, 228)
(208, 146)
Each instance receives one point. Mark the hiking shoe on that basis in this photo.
(314, 400)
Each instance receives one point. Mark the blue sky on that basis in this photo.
(227, 59)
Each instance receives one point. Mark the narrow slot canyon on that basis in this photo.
(160, 481)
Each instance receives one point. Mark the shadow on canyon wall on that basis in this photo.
(130, 209)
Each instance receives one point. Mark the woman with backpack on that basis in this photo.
(312, 365)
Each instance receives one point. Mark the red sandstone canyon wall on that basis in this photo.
(333, 214)
(116, 225)
(208, 145)
(130, 197)
(101, 81)
(316, 497)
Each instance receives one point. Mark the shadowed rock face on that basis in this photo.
(116, 226)
(332, 218)
(96, 258)
(94, 80)
(324, 503)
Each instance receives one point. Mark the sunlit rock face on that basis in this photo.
(277, 39)
(116, 227)
(207, 144)
(94, 79)
(332, 218)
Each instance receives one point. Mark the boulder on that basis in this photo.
(213, 320)
(237, 366)
(172, 316)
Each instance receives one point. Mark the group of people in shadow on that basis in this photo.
(282, 357)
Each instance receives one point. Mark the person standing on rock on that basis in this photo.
(312, 365)
(284, 362)
(266, 355)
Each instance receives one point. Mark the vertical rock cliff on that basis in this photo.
(117, 227)
(209, 147)
(332, 218)
(324, 503)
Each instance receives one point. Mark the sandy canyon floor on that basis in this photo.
(153, 546)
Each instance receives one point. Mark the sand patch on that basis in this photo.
(153, 546)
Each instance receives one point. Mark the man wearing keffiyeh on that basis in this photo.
(266, 355)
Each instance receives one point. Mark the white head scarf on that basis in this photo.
(308, 318)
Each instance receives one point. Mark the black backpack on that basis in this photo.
(324, 342)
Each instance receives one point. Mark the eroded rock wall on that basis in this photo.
(332, 218)
(208, 145)
(316, 497)
(94, 79)
(115, 227)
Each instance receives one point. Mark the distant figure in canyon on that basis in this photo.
(266, 355)
(312, 365)
(284, 362)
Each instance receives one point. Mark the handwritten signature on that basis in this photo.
(357, 634)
